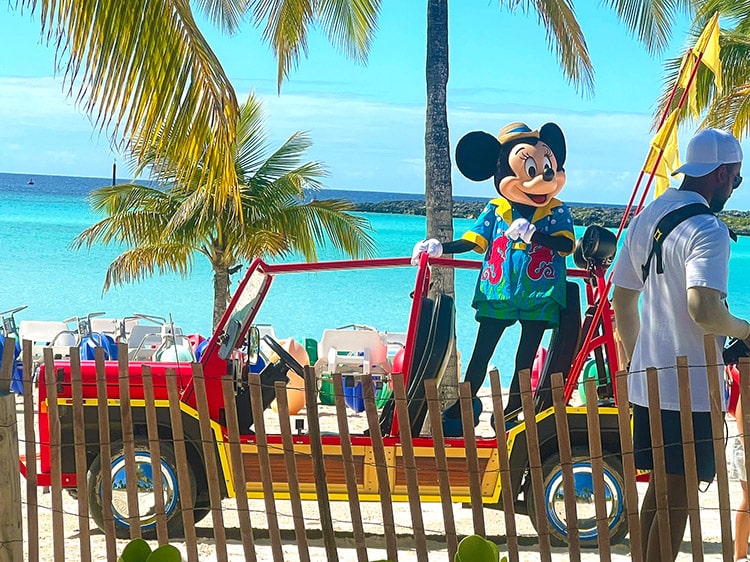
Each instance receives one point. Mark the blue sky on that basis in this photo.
(367, 122)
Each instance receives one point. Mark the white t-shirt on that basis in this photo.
(695, 254)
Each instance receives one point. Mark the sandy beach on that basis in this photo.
(372, 517)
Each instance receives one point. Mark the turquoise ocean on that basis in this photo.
(38, 222)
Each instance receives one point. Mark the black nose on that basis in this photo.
(548, 174)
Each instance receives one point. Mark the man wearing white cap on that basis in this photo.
(680, 273)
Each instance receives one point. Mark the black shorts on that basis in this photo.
(675, 464)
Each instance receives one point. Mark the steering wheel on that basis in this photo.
(284, 356)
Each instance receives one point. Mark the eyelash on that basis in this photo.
(524, 156)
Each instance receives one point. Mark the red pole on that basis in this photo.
(663, 118)
(581, 357)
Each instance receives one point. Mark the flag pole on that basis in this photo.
(580, 358)
(680, 104)
(659, 156)
(698, 50)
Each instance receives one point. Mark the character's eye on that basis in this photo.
(548, 163)
(530, 166)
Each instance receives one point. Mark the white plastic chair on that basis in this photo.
(43, 333)
(143, 342)
(362, 351)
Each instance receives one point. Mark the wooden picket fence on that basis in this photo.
(268, 542)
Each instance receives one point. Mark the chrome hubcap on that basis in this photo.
(554, 498)
(145, 490)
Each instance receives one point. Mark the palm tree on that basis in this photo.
(730, 108)
(438, 186)
(163, 229)
(141, 67)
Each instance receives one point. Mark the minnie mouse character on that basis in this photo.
(524, 234)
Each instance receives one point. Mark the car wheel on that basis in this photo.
(173, 499)
(554, 500)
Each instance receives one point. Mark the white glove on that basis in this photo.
(431, 247)
(528, 232)
(517, 228)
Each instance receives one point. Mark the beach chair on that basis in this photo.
(114, 327)
(353, 351)
(143, 342)
(43, 334)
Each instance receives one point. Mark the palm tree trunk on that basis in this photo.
(221, 293)
(438, 188)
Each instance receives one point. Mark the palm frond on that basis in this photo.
(263, 198)
(731, 111)
(124, 197)
(140, 68)
(257, 242)
(671, 71)
(286, 30)
(195, 214)
(326, 221)
(224, 14)
(132, 228)
(565, 38)
(734, 13)
(145, 261)
(650, 21)
(349, 24)
(251, 139)
(287, 158)
(135, 214)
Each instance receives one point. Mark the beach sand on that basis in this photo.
(372, 517)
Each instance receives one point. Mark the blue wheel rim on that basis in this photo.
(144, 476)
(582, 474)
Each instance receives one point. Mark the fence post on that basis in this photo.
(11, 519)
(717, 429)
(506, 484)
(382, 471)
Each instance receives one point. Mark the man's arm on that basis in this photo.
(707, 309)
(625, 305)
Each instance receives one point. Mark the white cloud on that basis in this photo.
(357, 138)
(366, 144)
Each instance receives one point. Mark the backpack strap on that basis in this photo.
(666, 225)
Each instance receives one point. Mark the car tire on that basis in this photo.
(554, 505)
(173, 499)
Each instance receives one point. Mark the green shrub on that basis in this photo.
(138, 550)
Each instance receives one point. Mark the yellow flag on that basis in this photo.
(708, 44)
(707, 49)
(670, 161)
(664, 143)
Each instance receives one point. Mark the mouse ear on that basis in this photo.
(551, 135)
(476, 155)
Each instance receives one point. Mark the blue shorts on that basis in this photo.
(674, 461)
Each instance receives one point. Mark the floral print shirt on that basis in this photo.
(514, 270)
